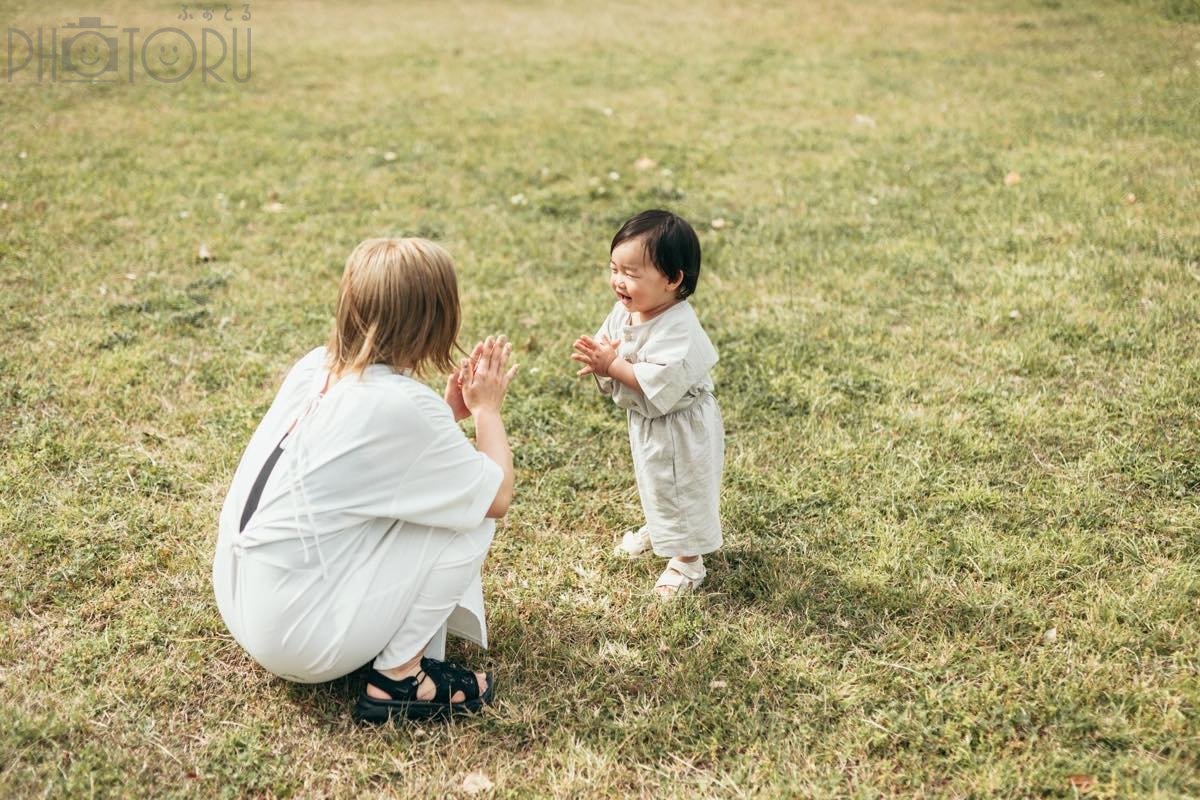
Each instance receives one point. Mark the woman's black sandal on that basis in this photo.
(447, 677)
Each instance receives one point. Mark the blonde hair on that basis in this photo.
(397, 305)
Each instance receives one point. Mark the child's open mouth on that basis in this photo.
(624, 298)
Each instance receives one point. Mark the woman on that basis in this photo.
(360, 513)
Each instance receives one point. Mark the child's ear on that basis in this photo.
(675, 284)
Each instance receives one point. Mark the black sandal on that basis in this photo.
(448, 678)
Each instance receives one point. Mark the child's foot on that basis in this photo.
(680, 577)
(634, 543)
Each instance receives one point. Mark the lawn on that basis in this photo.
(952, 267)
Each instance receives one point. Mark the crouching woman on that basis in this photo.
(360, 514)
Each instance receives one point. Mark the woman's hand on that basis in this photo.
(596, 357)
(484, 385)
(454, 395)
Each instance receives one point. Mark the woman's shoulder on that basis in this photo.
(303, 371)
(399, 398)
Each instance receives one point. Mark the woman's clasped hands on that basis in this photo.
(478, 384)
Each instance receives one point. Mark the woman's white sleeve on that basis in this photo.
(450, 484)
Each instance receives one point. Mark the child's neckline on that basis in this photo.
(629, 323)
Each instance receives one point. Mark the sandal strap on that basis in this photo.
(449, 677)
(692, 570)
(679, 574)
(403, 689)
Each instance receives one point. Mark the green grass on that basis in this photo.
(959, 413)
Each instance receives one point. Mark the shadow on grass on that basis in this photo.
(330, 702)
(666, 658)
(788, 582)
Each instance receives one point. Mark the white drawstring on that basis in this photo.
(299, 465)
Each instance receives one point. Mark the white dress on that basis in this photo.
(370, 531)
(676, 433)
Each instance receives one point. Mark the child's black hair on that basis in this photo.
(671, 243)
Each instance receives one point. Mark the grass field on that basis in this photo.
(955, 294)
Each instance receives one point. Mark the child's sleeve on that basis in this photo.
(671, 363)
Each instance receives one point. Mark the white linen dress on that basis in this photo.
(676, 434)
(370, 531)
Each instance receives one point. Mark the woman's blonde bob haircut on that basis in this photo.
(397, 305)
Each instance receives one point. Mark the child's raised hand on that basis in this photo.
(596, 356)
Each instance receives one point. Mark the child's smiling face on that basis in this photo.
(640, 286)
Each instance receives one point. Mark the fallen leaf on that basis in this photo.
(1081, 783)
(476, 782)
(606, 111)
(1012, 179)
(518, 199)
(717, 684)
(130, 276)
(864, 121)
(389, 156)
(203, 253)
(1014, 314)
(1050, 636)
(614, 176)
(273, 207)
(22, 154)
(1130, 199)
(644, 163)
(718, 223)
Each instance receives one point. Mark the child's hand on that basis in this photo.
(596, 357)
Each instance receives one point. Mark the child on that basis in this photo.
(653, 358)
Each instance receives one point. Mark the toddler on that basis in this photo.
(653, 358)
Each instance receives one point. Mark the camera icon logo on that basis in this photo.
(90, 53)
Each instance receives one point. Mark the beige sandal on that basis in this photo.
(680, 577)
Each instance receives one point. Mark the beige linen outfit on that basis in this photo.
(676, 434)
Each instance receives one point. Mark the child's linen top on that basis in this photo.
(671, 356)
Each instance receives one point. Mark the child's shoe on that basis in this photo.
(634, 544)
(680, 577)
